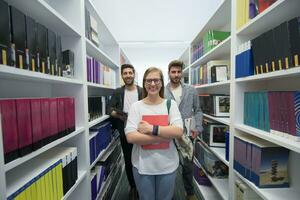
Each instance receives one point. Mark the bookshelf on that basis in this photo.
(284, 80)
(66, 19)
(208, 193)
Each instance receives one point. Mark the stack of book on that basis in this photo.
(49, 176)
(261, 162)
(91, 28)
(29, 124)
(217, 105)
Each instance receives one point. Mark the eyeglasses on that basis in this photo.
(149, 81)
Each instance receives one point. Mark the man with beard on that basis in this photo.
(187, 100)
(120, 103)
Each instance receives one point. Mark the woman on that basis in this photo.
(151, 129)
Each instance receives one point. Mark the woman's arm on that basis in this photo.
(142, 139)
(167, 132)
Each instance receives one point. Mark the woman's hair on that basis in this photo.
(148, 71)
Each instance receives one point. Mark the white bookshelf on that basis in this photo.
(66, 19)
(221, 185)
(285, 80)
(208, 192)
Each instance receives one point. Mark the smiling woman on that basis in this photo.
(151, 128)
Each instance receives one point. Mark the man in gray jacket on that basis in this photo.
(187, 100)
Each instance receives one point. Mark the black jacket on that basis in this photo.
(117, 103)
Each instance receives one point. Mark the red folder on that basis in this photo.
(36, 122)
(45, 120)
(9, 129)
(68, 118)
(53, 118)
(24, 126)
(61, 116)
(159, 120)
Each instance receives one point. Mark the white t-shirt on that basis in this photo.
(130, 97)
(177, 93)
(157, 161)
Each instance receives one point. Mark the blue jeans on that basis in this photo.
(154, 187)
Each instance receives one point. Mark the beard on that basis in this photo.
(128, 81)
(175, 80)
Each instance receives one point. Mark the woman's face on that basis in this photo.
(153, 83)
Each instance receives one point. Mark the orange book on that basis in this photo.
(159, 120)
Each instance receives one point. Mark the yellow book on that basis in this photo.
(246, 17)
(238, 14)
(21, 196)
(54, 180)
(47, 186)
(39, 189)
(34, 191)
(43, 187)
(59, 181)
(51, 184)
(28, 193)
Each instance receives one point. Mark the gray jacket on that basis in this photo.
(189, 105)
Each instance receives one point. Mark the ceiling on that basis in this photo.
(151, 33)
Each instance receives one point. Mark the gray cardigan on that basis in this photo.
(189, 105)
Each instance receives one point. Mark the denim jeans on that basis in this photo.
(155, 187)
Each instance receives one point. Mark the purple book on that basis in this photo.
(253, 8)
(290, 113)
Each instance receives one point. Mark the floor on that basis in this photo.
(122, 191)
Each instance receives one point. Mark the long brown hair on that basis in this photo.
(148, 71)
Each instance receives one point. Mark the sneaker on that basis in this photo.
(191, 197)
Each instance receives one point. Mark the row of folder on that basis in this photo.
(100, 73)
(100, 138)
(97, 106)
(48, 176)
(276, 112)
(276, 49)
(30, 123)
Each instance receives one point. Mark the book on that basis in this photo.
(9, 129)
(158, 120)
(18, 38)
(36, 123)
(4, 34)
(214, 133)
(31, 43)
(51, 51)
(53, 124)
(68, 63)
(41, 48)
(24, 126)
(45, 113)
(58, 67)
(61, 121)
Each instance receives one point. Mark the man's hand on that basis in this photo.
(194, 134)
(117, 115)
(145, 128)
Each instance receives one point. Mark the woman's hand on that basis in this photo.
(145, 128)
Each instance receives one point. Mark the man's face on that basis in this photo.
(175, 74)
(128, 76)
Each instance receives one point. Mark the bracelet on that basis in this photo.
(155, 130)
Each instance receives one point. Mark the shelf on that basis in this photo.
(274, 193)
(42, 12)
(225, 84)
(119, 181)
(7, 72)
(281, 141)
(221, 185)
(220, 51)
(81, 176)
(223, 120)
(98, 54)
(45, 148)
(100, 86)
(277, 13)
(207, 192)
(105, 152)
(97, 121)
(292, 72)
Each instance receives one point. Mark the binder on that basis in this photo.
(61, 121)
(53, 119)
(51, 36)
(286, 56)
(58, 67)
(18, 37)
(42, 48)
(160, 120)
(31, 44)
(9, 129)
(24, 126)
(45, 112)
(4, 34)
(36, 123)
(294, 35)
(69, 110)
